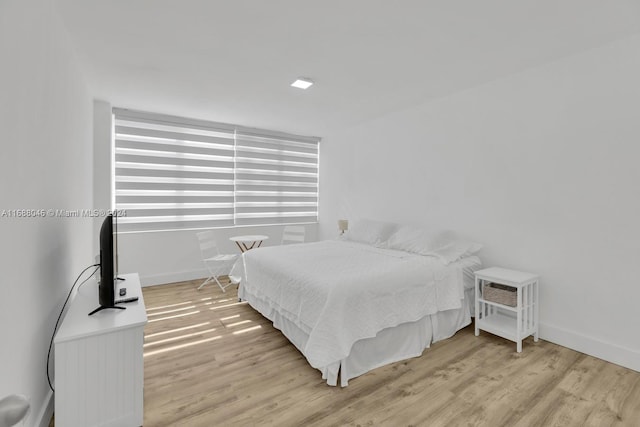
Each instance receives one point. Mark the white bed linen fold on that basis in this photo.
(340, 292)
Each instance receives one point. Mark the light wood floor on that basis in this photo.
(211, 361)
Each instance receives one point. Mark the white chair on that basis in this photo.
(293, 234)
(218, 264)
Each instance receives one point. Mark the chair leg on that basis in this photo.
(224, 287)
(215, 274)
(220, 284)
(205, 282)
(215, 279)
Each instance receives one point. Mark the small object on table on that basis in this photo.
(126, 300)
(248, 242)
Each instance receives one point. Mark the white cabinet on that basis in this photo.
(99, 373)
(515, 322)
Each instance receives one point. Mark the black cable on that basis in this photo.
(55, 328)
(85, 280)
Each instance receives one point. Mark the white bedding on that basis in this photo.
(340, 292)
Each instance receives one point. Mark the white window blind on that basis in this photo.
(171, 173)
(177, 173)
(276, 179)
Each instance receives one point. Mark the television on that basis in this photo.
(108, 264)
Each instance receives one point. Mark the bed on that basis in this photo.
(350, 306)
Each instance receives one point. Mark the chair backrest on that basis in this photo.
(293, 234)
(208, 246)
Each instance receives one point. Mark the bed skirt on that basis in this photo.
(390, 345)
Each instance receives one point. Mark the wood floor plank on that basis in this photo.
(210, 360)
(630, 408)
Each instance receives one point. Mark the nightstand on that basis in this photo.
(507, 304)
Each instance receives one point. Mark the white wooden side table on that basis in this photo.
(516, 322)
(99, 361)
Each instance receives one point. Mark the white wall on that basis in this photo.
(541, 167)
(45, 133)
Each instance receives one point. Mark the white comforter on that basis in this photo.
(339, 292)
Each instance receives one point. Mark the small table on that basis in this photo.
(515, 322)
(249, 242)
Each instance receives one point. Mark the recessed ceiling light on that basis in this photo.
(302, 83)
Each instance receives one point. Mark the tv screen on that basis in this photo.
(107, 286)
(114, 223)
(108, 265)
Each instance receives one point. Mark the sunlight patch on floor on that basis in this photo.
(170, 331)
(173, 317)
(242, 322)
(228, 305)
(168, 306)
(177, 347)
(175, 310)
(242, 331)
(179, 337)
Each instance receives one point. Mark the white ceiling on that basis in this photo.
(232, 61)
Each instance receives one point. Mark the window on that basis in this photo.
(176, 173)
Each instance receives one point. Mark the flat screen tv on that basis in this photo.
(108, 264)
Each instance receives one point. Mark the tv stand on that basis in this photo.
(103, 307)
(99, 365)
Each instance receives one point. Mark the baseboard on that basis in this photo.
(613, 353)
(46, 411)
(180, 276)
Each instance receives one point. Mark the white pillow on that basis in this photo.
(368, 231)
(445, 245)
(416, 240)
(455, 250)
